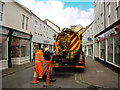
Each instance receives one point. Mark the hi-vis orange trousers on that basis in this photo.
(47, 65)
(39, 69)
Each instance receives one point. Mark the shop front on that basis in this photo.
(109, 44)
(15, 47)
(20, 47)
(90, 50)
(3, 48)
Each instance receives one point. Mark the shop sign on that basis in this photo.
(108, 34)
(19, 34)
(89, 39)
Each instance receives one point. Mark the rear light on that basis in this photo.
(81, 62)
(53, 61)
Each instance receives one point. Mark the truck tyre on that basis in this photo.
(55, 69)
(82, 69)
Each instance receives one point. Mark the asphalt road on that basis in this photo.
(22, 79)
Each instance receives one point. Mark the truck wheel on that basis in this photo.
(55, 69)
(82, 69)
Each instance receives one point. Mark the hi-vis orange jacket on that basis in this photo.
(39, 56)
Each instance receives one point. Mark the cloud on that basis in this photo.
(55, 12)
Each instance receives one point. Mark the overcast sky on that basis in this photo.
(62, 13)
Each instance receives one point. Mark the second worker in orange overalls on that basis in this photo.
(47, 60)
(38, 63)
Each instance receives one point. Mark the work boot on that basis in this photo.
(40, 78)
(44, 76)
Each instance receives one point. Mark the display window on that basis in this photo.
(117, 49)
(25, 48)
(3, 48)
(20, 48)
(90, 50)
(15, 48)
(110, 49)
(102, 49)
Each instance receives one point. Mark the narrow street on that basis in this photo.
(95, 76)
(22, 79)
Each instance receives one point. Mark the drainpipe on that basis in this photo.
(9, 48)
(104, 34)
(30, 46)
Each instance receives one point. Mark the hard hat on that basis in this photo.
(80, 33)
(46, 49)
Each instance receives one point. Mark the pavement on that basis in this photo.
(16, 68)
(98, 75)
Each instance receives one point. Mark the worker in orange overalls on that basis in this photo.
(47, 60)
(38, 63)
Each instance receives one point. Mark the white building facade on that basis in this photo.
(87, 41)
(107, 32)
(42, 35)
(15, 28)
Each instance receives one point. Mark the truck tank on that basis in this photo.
(67, 43)
(68, 50)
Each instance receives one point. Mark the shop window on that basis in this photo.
(20, 48)
(89, 52)
(15, 48)
(102, 50)
(110, 49)
(117, 50)
(15, 51)
(25, 48)
(3, 48)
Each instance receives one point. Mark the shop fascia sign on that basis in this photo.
(108, 34)
(18, 34)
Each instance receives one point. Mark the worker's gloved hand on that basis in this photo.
(44, 64)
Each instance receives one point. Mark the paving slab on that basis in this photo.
(99, 75)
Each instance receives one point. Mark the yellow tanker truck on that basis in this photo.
(68, 50)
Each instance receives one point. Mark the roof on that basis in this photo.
(25, 8)
(78, 27)
(52, 23)
(88, 26)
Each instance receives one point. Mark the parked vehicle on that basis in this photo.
(68, 50)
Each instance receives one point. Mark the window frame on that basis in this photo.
(27, 19)
(109, 9)
(117, 4)
(23, 21)
(1, 12)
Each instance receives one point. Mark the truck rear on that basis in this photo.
(68, 50)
